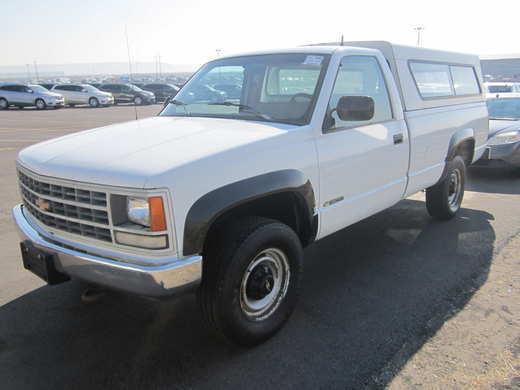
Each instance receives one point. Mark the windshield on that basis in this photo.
(504, 108)
(500, 88)
(274, 88)
(135, 88)
(39, 89)
(90, 88)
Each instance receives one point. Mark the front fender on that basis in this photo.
(209, 207)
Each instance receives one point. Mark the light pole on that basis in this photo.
(419, 29)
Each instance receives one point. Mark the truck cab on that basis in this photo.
(225, 187)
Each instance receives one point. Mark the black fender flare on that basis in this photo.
(215, 203)
(460, 136)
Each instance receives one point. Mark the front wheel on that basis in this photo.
(93, 102)
(138, 100)
(40, 104)
(251, 279)
(444, 199)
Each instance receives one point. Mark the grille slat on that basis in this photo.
(72, 210)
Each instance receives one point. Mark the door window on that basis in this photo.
(359, 76)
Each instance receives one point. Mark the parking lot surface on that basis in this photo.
(376, 298)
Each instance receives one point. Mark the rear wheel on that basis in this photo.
(443, 200)
(4, 105)
(40, 104)
(93, 102)
(251, 279)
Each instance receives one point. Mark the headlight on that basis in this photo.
(507, 137)
(143, 223)
(138, 211)
(147, 212)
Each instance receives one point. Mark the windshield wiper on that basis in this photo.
(242, 107)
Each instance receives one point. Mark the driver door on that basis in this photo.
(363, 164)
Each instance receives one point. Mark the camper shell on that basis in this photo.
(400, 59)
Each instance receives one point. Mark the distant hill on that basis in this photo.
(116, 68)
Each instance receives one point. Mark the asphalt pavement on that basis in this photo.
(373, 293)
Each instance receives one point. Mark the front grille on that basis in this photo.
(67, 193)
(66, 208)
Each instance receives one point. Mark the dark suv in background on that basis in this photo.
(128, 93)
(161, 91)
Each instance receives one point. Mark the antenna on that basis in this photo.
(129, 65)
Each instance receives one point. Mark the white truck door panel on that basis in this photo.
(362, 171)
(363, 165)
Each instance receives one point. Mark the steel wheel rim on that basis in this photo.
(278, 265)
(39, 104)
(93, 102)
(3, 104)
(138, 100)
(454, 190)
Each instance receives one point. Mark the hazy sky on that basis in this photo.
(189, 32)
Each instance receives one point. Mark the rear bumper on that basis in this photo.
(181, 275)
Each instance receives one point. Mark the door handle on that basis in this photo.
(398, 138)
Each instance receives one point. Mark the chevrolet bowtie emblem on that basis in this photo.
(42, 204)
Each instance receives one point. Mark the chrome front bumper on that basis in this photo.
(181, 275)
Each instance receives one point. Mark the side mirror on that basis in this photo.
(30, 91)
(355, 108)
(84, 90)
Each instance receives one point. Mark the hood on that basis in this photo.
(128, 154)
(103, 94)
(51, 94)
(497, 125)
(148, 93)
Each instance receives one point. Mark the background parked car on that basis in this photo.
(21, 96)
(504, 131)
(84, 94)
(96, 85)
(128, 93)
(47, 86)
(161, 91)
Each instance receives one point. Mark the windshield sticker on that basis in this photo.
(313, 60)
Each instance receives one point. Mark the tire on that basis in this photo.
(241, 295)
(138, 100)
(443, 200)
(72, 105)
(93, 102)
(4, 104)
(20, 107)
(40, 104)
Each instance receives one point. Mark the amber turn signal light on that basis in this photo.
(157, 216)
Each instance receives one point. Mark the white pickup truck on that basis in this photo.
(256, 157)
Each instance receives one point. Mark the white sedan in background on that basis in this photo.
(83, 94)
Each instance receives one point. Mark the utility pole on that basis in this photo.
(36, 71)
(419, 29)
(128, 51)
(28, 73)
(160, 67)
